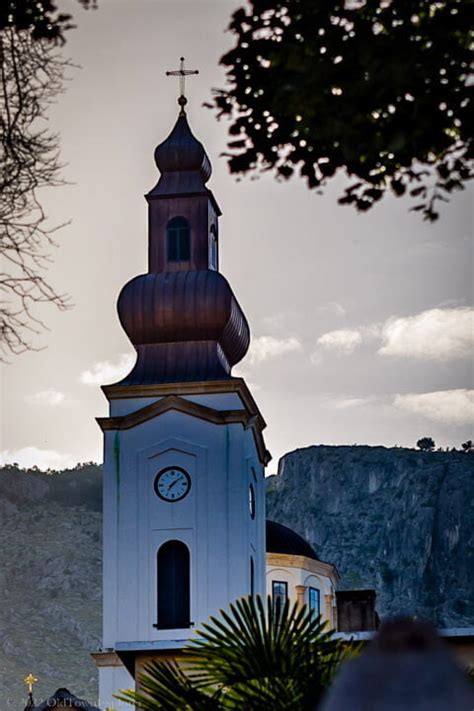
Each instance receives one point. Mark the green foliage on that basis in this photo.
(41, 19)
(79, 486)
(253, 657)
(373, 88)
(426, 444)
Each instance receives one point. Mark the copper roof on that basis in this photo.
(182, 162)
(184, 325)
(182, 316)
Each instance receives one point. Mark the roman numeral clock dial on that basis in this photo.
(172, 484)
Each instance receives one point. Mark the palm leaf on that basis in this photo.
(265, 654)
(252, 657)
(167, 687)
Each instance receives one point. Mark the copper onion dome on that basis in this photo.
(182, 151)
(182, 161)
(182, 316)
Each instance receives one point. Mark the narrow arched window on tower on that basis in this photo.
(213, 247)
(178, 240)
(173, 586)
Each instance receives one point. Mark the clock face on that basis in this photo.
(172, 484)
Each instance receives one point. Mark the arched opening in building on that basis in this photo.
(173, 586)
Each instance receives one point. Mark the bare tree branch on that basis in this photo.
(31, 77)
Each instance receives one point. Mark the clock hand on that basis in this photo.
(173, 483)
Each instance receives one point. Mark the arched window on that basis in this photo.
(314, 602)
(279, 596)
(213, 247)
(173, 586)
(178, 240)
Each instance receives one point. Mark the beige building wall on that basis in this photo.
(302, 573)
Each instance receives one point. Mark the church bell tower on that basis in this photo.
(184, 455)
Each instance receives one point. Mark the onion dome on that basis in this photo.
(182, 162)
(281, 539)
(185, 326)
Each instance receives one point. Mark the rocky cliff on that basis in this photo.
(50, 581)
(397, 520)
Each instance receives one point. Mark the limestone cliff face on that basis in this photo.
(50, 582)
(397, 520)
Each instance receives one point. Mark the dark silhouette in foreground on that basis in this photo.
(406, 666)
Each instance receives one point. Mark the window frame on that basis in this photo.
(277, 602)
(170, 619)
(313, 610)
(178, 240)
(212, 261)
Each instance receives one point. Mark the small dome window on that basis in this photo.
(178, 240)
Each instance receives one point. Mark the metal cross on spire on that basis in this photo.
(30, 680)
(182, 73)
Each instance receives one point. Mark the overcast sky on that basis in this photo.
(360, 323)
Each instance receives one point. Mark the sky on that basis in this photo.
(361, 324)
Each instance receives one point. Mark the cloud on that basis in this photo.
(50, 397)
(278, 321)
(345, 340)
(106, 372)
(436, 334)
(448, 406)
(346, 403)
(333, 307)
(266, 347)
(33, 456)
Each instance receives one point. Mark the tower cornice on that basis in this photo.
(200, 387)
(249, 419)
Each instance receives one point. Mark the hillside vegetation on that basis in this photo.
(398, 520)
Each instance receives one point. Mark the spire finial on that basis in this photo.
(182, 73)
(30, 680)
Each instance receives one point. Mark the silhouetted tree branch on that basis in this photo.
(31, 77)
(32, 74)
(375, 89)
(40, 18)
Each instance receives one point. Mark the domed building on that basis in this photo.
(295, 573)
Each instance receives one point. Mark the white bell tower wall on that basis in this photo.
(215, 439)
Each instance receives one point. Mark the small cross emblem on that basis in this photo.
(30, 680)
(182, 73)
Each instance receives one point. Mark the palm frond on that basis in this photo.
(166, 686)
(264, 653)
(255, 656)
